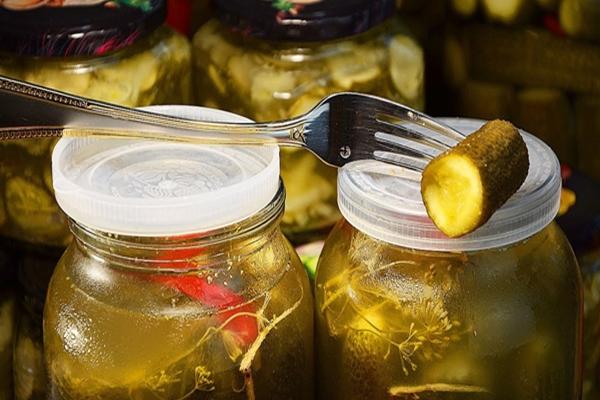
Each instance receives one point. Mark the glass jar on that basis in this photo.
(275, 60)
(405, 312)
(579, 218)
(121, 55)
(179, 283)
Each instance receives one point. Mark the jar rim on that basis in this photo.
(105, 243)
(385, 202)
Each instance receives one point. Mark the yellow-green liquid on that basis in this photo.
(495, 324)
(112, 333)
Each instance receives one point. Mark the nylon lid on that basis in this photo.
(65, 28)
(385, 202)
(154, 188)
(303, 20)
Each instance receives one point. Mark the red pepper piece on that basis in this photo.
(244, 327)
(552, 23)
(179, 15)
(565, 172)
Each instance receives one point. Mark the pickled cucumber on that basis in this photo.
(359, 66)
(407, 67)
(464, 8)
(508, 11)
(456, 70)
(464, 186)
(580, 18)
(35, 147)
(459, 368)
(547, 114)
(497, 54)
(32, 209)
(55, 76)
(364, 357)
(486, 100)
(30, 382)
(155, 70)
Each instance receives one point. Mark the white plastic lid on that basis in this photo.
(385, 202)
(156, 188)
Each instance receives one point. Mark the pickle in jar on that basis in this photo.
(32, 209)
(153, 70)
(7, 325)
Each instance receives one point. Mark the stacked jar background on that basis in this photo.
(122, 55)
(535, 63)
(255, 60)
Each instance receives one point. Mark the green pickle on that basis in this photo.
(29, 372)
(7, 317)
(268, 80)
(28, 360)
(154, 71)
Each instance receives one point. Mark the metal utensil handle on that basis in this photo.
(49, 110)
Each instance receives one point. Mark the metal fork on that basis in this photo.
(343, 127)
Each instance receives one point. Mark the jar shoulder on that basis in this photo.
(545, 259)
(207, 284)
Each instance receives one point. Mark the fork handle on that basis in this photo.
(32, 111)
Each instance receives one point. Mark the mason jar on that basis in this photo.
(121, 54)
(405, 312)
(275, 60)
(179, 282)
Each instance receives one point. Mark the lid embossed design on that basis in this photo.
(155, 188)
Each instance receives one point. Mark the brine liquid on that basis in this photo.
(499, 324)
(136, 338)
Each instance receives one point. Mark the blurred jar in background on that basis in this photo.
(275, 60)
(28, 360)
(118, 52)
(8, 307)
